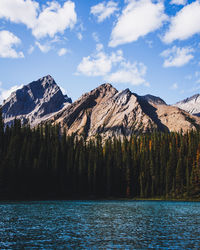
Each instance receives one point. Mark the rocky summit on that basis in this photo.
(104, 110)
(191, 104)
(110, 112)
(34, 102)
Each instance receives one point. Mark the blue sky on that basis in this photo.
(150, 47)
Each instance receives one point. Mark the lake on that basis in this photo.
(99, 224)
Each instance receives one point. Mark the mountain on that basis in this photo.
(34, 102)
(191, 105)
(109, 112)
(104, 110)
(154, 99)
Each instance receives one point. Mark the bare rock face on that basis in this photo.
(176, 119)
(104, 110)
(34, 102)
(190, 105)
(108, 112)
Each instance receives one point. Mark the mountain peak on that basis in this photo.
(46, 78)
(106, 87)
(192, 98)
(34, 101)
(154, 99)
(190, 104)
(47, 81)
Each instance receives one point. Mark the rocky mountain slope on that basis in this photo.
(34, 102)
(191, 105)
(104, 110)
(109, 112)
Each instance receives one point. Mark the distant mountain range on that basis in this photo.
(104, 110)
(191, 105)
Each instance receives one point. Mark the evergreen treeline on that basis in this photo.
(43, 163)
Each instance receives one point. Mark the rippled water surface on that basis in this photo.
(99, 224)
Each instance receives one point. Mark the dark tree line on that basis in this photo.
(45, 163)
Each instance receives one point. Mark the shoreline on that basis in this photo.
(100, 199)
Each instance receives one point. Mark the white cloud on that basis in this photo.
(104, 10)
(138, 19)
(113, 67)
(177, 57)
(43, 47)
(185, 24)
(99, 64)
(19, 11)
(52, 19)
(129, 73)
(63, 51)
(178, 2)
(5, 93)
(7, 41)
(174, 86)
(57, 39)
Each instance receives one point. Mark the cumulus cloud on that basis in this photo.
(7, 41)
(52, 19)
(178, 2)
(99, 63)
(113, 67)
(184, 24)
(132, 73)
(43, 47)
(137, 19)
(177, 57)
(104, 10)
(63, 51)
(5, 93)
(19, 11)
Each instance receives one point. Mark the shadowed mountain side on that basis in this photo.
(151, 111)
(104, 110)
(34, 101)
(109, 112)
(153, 99)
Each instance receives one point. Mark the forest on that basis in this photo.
(43, 163)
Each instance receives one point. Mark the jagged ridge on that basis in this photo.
(191, 105)
(104, 110)
(109, 112)
(34, 101)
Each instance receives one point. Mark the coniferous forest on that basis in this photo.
(45, 163)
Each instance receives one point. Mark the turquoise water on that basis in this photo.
(99, 224)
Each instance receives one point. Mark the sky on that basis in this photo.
(148, 46)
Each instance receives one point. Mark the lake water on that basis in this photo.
(99, 224)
